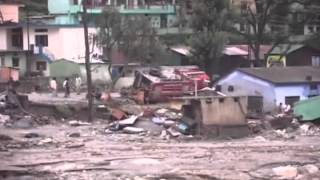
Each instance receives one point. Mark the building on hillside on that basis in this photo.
(163, 14)
(15, 44)
(295, 55)
(276, 85)
(63, 68)
(303, 20)
(233, 56)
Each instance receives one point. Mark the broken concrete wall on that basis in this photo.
(223, 111)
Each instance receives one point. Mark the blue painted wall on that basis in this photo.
(245, 85)
(59, 6)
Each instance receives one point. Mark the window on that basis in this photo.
(315, 60)
(244, 7)
(291, 100)
(310, 28)
(41, 66)
(242, 27)
(15, 61)
(42, 40)
(16, 37)
(313, 90)
(41, 30)
(230, 88)
(75, 2)
(3, 63)
(313, 86)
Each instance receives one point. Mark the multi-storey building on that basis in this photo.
(31, 44)
(300, 22)
(162, 13)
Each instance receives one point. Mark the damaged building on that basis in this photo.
(275, 85)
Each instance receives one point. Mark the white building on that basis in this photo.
(276, 85)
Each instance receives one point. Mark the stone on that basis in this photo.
(138, 178)
(4, 119)
(45, 141)
(4, 137)
(24, 123)
(285, 172)
(74, 135)
(74, 145)
(260, 138)
(311, 169)
(148, 125)
(31, 135)
(78, 123)
(133, 130)
(64, 110)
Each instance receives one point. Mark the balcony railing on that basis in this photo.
(153, 9)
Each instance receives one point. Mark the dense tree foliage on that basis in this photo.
(210, 22)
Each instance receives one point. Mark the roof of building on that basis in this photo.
(230, 50)
(285, 75)
(81, 61)
(234, 51)
(9, 24)
(181, 49)
(264, 49)
(286, 48)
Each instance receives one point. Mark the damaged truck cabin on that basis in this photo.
(163, 82)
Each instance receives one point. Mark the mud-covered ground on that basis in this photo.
(61, 151)
(48, 152)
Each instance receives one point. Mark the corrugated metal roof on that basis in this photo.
(234, 51)
(286, 48)
(184, 50)
(285, 75)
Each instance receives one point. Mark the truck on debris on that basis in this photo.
(170, 81)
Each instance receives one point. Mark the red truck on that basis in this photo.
(164, 82)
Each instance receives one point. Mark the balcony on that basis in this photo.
(159, 9)
(154, 9)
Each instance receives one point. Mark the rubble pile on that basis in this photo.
(287, 127)
(163, 122)
(293, 170)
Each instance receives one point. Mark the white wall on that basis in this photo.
(71, 43)
(63, 42)
(3, 39)
(245, 85)
(303, 91)
(99, 73)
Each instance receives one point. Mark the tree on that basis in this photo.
(109, 30)
(87, 61)
(312, 11)
(267, 22)
(139, 40)
(132, 35)
(210, 22)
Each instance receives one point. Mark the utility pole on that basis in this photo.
(28, 43)
(87, 60)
